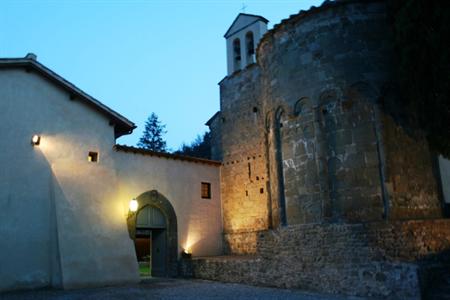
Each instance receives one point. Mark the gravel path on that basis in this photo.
(171, 289)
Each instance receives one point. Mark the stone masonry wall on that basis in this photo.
(410, 178)
(343, 159)
(320, 76)
(216, 141)
(310, 134)
(378, 259)
(241, 242)
(342, 171)
(243, 173)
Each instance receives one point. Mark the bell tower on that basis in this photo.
(242, 38)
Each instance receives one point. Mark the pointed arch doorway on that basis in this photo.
(154, 230)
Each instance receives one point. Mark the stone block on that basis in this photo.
(364, 135)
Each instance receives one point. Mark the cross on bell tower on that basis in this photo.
(242, 39)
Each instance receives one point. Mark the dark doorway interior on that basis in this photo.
(151, 242)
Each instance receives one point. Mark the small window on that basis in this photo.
(206, 190)
(93, 156)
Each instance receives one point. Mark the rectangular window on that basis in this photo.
(206, 190)
(93, 156)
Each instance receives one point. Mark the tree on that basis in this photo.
(422, 39)
(200, 147)
(152, 137)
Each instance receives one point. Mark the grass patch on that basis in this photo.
(145, 270)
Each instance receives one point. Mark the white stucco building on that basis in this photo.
(64, 199)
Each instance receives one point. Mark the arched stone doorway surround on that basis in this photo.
(155, 199)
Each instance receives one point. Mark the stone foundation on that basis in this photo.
(380, 259)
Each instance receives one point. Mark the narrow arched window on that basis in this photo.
(279, 132)
(302, 107)
(237, 54)
(250, 47)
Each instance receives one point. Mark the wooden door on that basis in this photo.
(159, 255)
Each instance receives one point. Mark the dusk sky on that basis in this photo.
(137, 57)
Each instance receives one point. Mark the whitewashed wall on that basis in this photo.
(61, 221)
(199, 220)
(63, 218)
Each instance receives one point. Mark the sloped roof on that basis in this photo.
(121, 124)
(250, 20)
(142, 151)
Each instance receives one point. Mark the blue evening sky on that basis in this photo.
(137, 57)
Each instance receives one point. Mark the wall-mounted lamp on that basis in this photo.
(35, 140)
(134, 205)
(187, 254)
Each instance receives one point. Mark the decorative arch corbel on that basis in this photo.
(302, 106)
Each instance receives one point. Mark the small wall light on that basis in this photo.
(35, 140)
(187, 254)
(133, 205)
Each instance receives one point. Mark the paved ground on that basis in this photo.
(171, 289)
